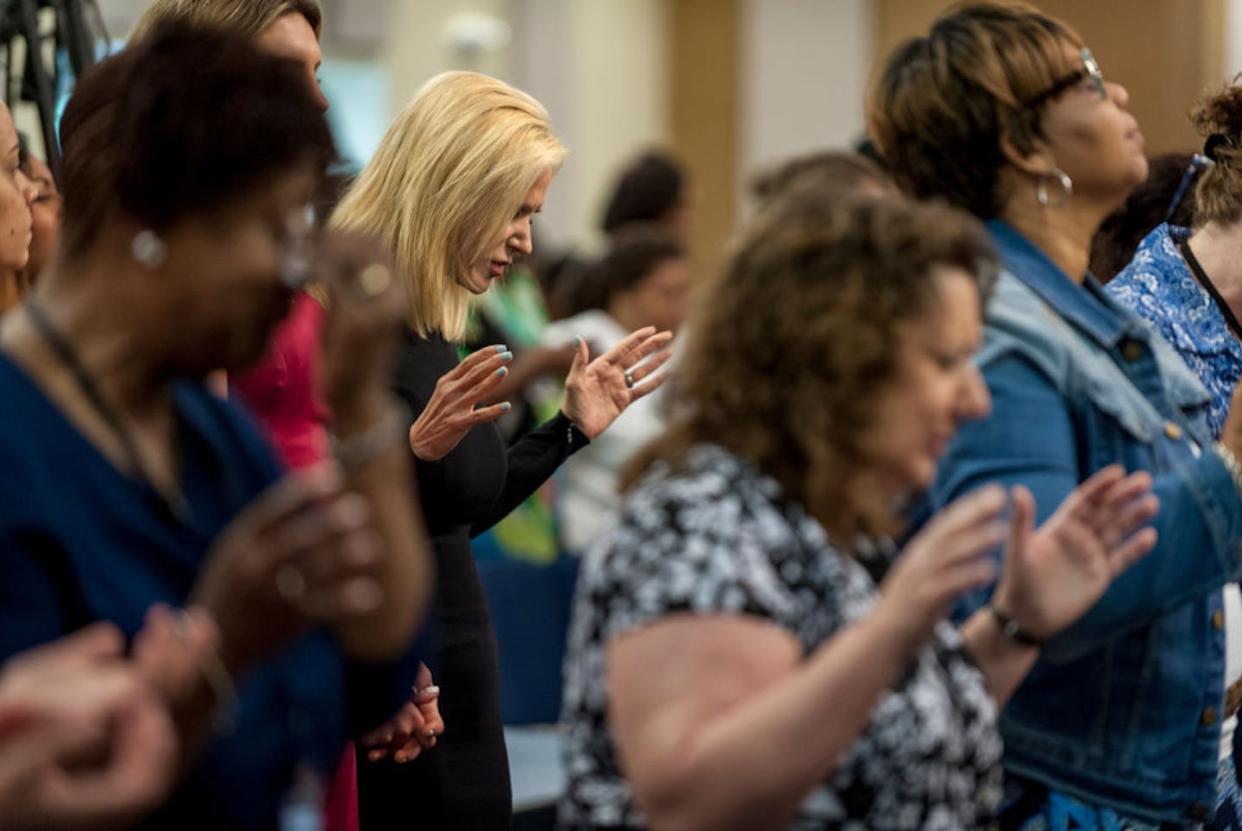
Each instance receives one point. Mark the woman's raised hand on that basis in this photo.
(597, 391)
(366, 304)
(304, 552)
(1055, 574)
(948, 558)
(454, 406)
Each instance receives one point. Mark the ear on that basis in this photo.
(1035, 162)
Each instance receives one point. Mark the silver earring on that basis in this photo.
(1064, 183)
(149, 249)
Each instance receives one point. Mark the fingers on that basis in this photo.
(651, 364)
(1094, 487)
(472, 361)
(637, 346)
(290, 496)
(483, 375)
(138, 773)
(1131, 551)
(483, 415)
(983, 505)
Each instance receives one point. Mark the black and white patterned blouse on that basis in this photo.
(715, 538)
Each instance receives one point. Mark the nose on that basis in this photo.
(27, 188)
(320, 98)
(520, 239)
(974, 401)
(1119, 94)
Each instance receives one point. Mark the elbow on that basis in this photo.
(673, 796)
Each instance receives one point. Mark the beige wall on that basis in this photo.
(1166, 56)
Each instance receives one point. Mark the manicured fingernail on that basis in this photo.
(505, 406)
(506, 356)
(500, 347)
(503, 371)
(432, 690)
(431, 734)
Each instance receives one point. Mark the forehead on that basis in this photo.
(955, 308)
(291, 36)
(8, 133)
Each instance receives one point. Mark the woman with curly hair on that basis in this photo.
(1003, 111)
(733, 663)
(1188, 282)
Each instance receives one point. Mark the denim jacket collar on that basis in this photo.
(1087, 307)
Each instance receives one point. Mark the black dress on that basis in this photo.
(464, 781)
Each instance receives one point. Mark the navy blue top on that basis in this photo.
(81, 541)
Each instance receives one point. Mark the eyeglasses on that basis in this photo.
(1197, 163)
(1090, 70)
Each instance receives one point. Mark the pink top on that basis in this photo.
(282, 390)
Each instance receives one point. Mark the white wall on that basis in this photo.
(805, 65)
(1233, 37)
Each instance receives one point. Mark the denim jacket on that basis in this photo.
(1123, 709)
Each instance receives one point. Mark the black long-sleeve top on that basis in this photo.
(480, 481)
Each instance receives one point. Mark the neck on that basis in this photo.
(1063, 233)
(1218, 248)
(98, 322)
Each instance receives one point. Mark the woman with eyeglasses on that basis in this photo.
(1188, 283)
(188, 161)
(1002, 110)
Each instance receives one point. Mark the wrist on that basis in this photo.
(1010, 629)
(891, 626)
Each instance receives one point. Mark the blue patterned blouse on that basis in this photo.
(1159, 285)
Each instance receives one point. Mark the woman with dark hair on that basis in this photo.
(1166, 196)
(733, 664)
(1003, 111)
(651, 190)
(189, 160)
(645, 281)
(1186, 278)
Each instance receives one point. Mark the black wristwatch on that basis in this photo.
(1012, 630)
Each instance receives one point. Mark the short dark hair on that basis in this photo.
(646, 191)
(943, 102)
(634, 254)
(180, 123)
(841, 172)
(1147, 206)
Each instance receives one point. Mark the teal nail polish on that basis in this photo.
(506, 356)
(500, 347)
(505, 406)
(503, 371)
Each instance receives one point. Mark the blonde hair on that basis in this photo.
(452, 170)
(247, 17)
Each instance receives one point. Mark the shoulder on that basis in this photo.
(706, 538)
(229, 431)
(1020, 324)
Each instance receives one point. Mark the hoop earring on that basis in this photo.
(1065, 184)
(148, 249)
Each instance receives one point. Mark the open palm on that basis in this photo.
(1053, 575)
(597, 391)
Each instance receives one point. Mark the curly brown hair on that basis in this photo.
(1218, 194)
(940, 107)
(791, 348)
